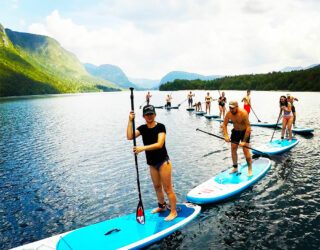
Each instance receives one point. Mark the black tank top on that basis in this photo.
(150, 136)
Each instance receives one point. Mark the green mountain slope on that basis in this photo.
(33, 64)
(302, 80)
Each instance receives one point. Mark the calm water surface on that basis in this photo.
(65, 163)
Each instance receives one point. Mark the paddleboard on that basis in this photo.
(226, 185)
(190, 109)
(300, 130)
(200, 112)
(125, 233)
(263, 124)
(276, 146)
(211, 116)
(173, 107)
(221, 120)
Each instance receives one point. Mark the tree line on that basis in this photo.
(302, 80)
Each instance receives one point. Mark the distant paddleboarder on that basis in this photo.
(293, 108)
(190, 99)
(247, 102)
(168, 101)
(148, 96)
(208, 99)
(222, 100)
(239, 134)
(154, 136)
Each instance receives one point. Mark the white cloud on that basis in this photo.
(150, 38)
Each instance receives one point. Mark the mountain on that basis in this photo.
(181, 75)
(110, 73)
(289, 69)
(145, 83)
(33, 64)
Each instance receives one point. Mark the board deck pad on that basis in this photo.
(276, 146)
(125, 233)
(225, 185)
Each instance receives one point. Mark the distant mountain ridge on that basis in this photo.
(110, 73)
(182, 75)
(145, 83)
(289, 69)
(33, 64)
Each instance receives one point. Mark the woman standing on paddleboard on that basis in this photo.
(154, 136)
(287, 117)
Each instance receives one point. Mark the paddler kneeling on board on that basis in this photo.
(154, 136)
(240, 132)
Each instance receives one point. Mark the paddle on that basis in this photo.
(275, 127)
(254, 113)
(141, 104)
(140, 217)
(182, 102)
(220, 137)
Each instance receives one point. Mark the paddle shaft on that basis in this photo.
(182, 102)
(135, 155)
(254, 113)
(275, 127)
(142, 103)
(220, 137)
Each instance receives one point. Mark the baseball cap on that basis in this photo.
(148, 109)
(233, 104)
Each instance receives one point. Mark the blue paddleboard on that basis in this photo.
(276, 146)
(300, 130)
(211, 116)
(126, 233)
(200, 112)
(263, 124)
(226, 185)
(190, 109)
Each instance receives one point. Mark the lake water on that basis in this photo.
(65, 163)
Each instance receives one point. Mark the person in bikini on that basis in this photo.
(240, 132)
(190, 99)
(222, 100)
(208, 99)
(247, 102)
(153, 136)
(287, 117)
(198, 106)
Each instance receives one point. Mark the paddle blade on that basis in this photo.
(140, 213)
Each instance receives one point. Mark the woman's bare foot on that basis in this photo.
(158, 210)
(171, 216)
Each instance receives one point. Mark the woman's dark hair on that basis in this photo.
(285, 102)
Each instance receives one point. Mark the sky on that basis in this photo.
(150, 38)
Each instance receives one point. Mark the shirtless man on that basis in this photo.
(148, 96)
(240, 132)
(247, 102)
(190, 99)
